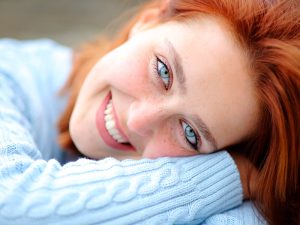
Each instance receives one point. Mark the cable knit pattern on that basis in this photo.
(246, 214)
(37, 189)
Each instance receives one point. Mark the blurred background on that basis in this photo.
(68, 22)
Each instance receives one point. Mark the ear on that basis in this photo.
(148, 18)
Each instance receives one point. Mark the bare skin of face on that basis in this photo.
(176, 89)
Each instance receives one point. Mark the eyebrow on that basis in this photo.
(180, 75)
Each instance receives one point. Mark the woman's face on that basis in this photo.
(177, 89)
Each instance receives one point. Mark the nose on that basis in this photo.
(144, 117)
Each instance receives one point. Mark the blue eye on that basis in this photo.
(190, 135)
(164, 73)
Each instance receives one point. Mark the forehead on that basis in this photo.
(218, 79)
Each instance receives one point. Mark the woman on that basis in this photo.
(144, 80)
(191, 46)
(37, 189)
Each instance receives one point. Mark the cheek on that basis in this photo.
(161, 148)
(166, 143)
(127, 70)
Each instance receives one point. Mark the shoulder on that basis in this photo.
(23, 56)
(33, 71)
(34, 61)
(28, 45)
(25, 50)
(36, 68)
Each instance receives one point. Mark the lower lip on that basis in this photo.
(100, 123)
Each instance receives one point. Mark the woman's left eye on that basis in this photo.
(164, 73)
(190, 135)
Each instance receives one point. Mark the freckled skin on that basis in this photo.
(218, 91)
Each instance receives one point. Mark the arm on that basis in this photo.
(244, 214)
(165, 191)
(34, 191)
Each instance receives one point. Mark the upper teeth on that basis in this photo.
(110, 124)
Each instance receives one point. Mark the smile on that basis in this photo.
(109, 128)
(110, 124)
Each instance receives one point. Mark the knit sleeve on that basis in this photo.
(243, 214)
(163, 191)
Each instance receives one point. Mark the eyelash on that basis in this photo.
(197, 136)
(156, 71)
(168, 87)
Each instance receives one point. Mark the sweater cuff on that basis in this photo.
(217, 181)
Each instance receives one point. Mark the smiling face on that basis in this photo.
(176, 89)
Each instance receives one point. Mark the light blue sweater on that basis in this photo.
(37, 187)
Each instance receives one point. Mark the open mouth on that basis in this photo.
(109, 128)
(110, 124)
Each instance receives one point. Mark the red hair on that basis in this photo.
(269, 31)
